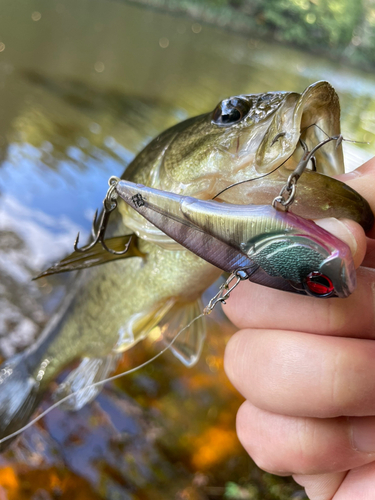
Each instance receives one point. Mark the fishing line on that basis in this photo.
(325, 133)
(272, 171)
(223, 294)
(317, 126)
(253, 178)
(99, 383)
(283, 163)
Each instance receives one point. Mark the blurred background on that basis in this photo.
(84, 86)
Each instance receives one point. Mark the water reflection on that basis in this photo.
(85, 85)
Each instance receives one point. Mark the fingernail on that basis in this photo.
(363, 434)
(339, 229)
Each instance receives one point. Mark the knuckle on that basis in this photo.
(261, 451)
(235, 358)
(340, 395)
(289, 446)
(335, 396)
(334, 321)
(230, 357)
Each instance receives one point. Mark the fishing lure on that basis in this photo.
(268, 246)
(273, 248)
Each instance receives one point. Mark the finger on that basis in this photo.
(295, 374)
(250, 305)
(369, 260)
(355, 484)
(348, 231)
(283, 445)
(321, 486)
(363, 180)
(358, 484)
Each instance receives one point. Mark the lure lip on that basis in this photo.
(191, 222)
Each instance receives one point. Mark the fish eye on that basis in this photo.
(318, 284)
(230, 111)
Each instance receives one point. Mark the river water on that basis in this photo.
(85, 84)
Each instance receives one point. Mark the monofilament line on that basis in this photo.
(99, 383)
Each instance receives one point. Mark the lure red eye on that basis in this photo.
(319, 284)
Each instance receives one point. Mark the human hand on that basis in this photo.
(307, 370)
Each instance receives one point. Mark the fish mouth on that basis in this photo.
(269, 136)
(302, 119)
(310, 117)
(274, 146)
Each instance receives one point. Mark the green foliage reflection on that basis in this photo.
(342, 28)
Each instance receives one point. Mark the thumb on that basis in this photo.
(350, 233)
(363, 180)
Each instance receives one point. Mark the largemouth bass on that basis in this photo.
(159, 282)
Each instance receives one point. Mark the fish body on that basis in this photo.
(160, 283)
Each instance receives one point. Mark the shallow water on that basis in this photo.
(85, 85)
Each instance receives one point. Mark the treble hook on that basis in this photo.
(109, 205)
